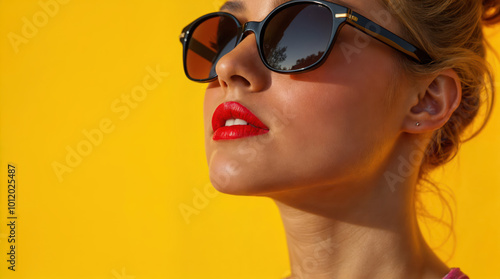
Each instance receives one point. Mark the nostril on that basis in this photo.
(240, 79)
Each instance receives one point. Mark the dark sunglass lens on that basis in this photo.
(209, 41)
(297, 36)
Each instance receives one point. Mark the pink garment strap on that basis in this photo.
(456, 273)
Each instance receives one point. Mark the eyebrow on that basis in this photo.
(338, 2)
(233, 6)
(238, 6)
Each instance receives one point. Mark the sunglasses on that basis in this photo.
(295, 37)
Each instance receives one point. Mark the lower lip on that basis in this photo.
(237, 132)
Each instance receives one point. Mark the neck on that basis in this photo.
(355, 231)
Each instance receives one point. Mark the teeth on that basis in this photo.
(229, 122)
(240, 122)
(232, 122)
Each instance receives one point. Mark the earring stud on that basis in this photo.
(417, 124)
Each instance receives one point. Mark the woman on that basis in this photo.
(337, 110)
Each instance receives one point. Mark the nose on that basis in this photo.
(242, 67)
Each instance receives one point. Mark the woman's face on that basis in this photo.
(330, 126)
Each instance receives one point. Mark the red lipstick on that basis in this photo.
(231, 111)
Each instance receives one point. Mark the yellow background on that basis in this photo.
(117, 213)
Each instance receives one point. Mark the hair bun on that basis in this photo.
(491, 12)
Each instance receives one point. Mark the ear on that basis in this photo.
(432, 108)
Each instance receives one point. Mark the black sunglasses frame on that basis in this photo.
(341, 15)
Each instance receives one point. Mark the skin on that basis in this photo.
(342, 155)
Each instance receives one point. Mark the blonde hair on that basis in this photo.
(451, 32)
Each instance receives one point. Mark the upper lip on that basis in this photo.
(234, 110)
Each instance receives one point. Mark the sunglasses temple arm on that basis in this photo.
(387, 37)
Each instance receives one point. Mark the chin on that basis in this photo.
(232, 179)
(235, 178)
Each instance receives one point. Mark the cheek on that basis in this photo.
(346, 113)
(345, 100)
(334, 134)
